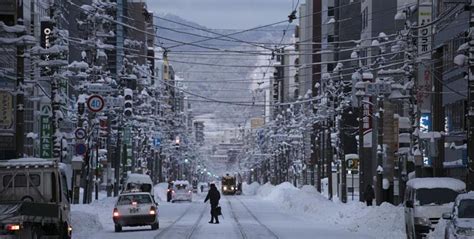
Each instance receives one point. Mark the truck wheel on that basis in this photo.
(118, 228)
(155, 226)
(63, 232)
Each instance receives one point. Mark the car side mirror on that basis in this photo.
(409, 204)
(447, 216)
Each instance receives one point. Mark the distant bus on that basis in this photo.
(229, 184)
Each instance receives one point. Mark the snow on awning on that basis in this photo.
(450, 183)
(454, 164)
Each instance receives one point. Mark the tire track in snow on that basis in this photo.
(173, 223)
(196, 224)
(257, 220)
(239, 225)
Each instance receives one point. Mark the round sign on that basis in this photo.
(81, 149)
(80, 133)
(95, 103)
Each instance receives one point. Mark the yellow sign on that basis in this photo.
(6, 110)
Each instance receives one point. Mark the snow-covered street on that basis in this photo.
(265, 212)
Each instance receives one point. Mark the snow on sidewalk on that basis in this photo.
(384, 221)
(88, 219)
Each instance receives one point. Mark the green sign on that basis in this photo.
(46, 144)
(127, 139)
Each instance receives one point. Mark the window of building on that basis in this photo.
(365, 18)
(330, 38)
(330, 11)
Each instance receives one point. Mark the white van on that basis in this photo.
(182, 191)
(136, 182)
(426, 199)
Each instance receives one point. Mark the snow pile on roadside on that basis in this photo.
(84, 224)
(250, 189)
(265, 189)
(438, 232)
(385, 221)
(296, 200)
(100, 214)
(160, 191)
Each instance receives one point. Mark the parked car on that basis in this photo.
(461, 219)
(182, 191)
(136, 182)
(135, 209)
(426, 199)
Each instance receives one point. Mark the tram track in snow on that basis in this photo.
(268, 230)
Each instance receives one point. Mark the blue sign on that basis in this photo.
(157, 142)
(425, 122)
(81, 149)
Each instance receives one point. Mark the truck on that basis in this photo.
(34, 199)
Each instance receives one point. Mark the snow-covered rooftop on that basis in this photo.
(451, 183)
(181, 182)
(469, 195)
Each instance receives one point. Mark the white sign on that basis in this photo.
(378, 88)
(113, 101)
(424, 33)
(100, 88)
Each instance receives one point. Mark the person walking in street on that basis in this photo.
(213, 196)
(369, 195)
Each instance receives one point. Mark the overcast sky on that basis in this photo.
(226, 14)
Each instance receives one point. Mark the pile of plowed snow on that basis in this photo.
(160, 192)
(385, 221)
(87, 219)
(250, 189)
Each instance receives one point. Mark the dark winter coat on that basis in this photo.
(369, 193)
(213, 196)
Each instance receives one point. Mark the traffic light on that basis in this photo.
(128, 103)
(103, 127)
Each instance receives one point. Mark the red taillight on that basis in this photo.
(152, 211)
(116, 213)
(13, 227)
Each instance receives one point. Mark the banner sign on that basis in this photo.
(6, 110)
(424, 33)
(46, 143)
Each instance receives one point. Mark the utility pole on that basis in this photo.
(362, 158)
(329, 161)
(470, 114)
(320, 162)
(117, 159)
(342, 157)
(380, 152)
(20, 79)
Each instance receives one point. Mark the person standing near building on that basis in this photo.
(369, 195)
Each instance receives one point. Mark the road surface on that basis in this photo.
(244, 217)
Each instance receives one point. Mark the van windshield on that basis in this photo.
(466, 208)
(435, 196)
(180, 186)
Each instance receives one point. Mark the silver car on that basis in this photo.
(135, 209)
(461, 220)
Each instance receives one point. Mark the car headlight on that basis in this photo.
(231, 188)
(422, 221)
(225, 187)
